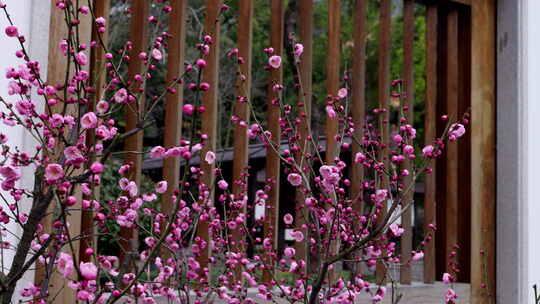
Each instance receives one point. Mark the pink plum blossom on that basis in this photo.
(89, 120)
(88, 270)
(295, 179)
(54, 172)
(210, 157)
(274, 61)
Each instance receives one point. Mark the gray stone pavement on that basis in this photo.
(417, 293)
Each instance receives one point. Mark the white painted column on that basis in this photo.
(530, 84)
(518, 150)
(32, 19)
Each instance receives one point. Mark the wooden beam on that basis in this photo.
(241, 111)
(408, 81)
(451, 151)
(332, 74)
(209, 116)
(332, 86)
(358, 108)
(305, 36)
(57, 68)
(385, 24)
(98, 76)
(139, 36)
(174, 101)
(483, 162)
(271, 222)
(430, 127)
(464, 146)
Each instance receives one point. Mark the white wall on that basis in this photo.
(32, 19)
(531, 158)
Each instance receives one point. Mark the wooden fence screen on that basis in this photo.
(459, 75)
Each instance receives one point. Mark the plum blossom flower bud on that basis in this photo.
(188, 109)
(408, 149)
(223, 185)
(97, 168)
(81, 58)
(12, 31)
(204, 86)
(298, 49)
(210, 157)
(157, 55)
(342, 93)
(295, 179)
(427, 151)
(201, 63)
(101, 21)
(288, 219)
(274, 61)
(157, 152)
(289, 252)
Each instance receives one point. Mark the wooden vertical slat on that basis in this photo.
(483, 151)
(408, 81)
(358, 98)
(271, 223)
(332, 74)
(56, 75)
(464, 145)
(56, 68)
(98, 74)
(430, 128)
(451, 152)
(209, 116)
(385, 23)
(332, 86)
(358, 105)
(305, 36)
(139, 36)
(243, 86)
(174, 101)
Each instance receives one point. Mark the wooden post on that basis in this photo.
(305, 36)
(385, 23)
(209, 116)
(332, 74)
(451, 149)
(483, 159)
(332, 86)
(271, 222)
(408, 81)
(98, 76)
(174, 101)
(358, 108)
(139, 37)
(430, 127)
(56, 75)
(241, 110)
